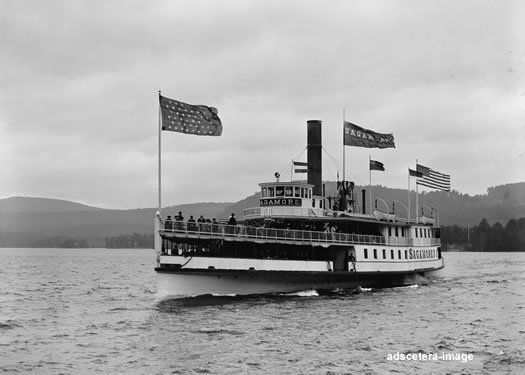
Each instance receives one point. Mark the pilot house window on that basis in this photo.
(298, 192)
(270, 191)
(279, 191)
(264, 192)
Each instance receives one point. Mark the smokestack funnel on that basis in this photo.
(315, 171)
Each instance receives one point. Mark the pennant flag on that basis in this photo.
(301, 170)
(357, 136)
(414, 173)
(190, 119)
(300, 164)
(376, 165)
(433, 179)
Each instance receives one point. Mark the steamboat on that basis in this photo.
(297, 239)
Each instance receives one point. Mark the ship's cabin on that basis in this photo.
(294, 198)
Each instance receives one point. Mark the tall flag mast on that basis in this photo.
(186, 118)
(374, 165)
(357, 136)
(416, 174)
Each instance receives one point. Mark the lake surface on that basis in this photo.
(75, 311)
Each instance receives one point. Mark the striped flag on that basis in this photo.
(300, 164)
(433, 179)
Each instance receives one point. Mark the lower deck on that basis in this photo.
(338, 264)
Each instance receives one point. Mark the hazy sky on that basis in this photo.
(79, 102)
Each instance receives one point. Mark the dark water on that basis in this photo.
(94, 311)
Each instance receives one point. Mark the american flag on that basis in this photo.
(433, 179)
(190, 119)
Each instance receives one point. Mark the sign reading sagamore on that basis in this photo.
(280, 202)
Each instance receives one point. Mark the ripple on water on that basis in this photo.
(9, 324)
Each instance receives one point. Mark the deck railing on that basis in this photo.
(239, 232)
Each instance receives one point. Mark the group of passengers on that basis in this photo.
(201, 224)
(327, 228)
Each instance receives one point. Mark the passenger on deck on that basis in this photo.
(168, 224)
(232, 220)
(191, 224)
(351, 258)
(201, 220)
(178, 221)
(214, 226)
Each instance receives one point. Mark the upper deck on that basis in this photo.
(295, 199)
(243, 233)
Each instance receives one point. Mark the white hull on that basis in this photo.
(180, 285)
(173, 285)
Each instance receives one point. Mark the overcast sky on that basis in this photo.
(79, 102)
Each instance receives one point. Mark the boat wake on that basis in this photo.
(302, 293)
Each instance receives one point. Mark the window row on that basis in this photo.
(397, 231)
(424, 232)
(408, 254)
(286, 191)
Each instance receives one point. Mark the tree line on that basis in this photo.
(485, 237)
(61, 242)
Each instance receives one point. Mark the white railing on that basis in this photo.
(276, 211)
(239, 232)
(283, 211)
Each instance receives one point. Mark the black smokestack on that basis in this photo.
(315, 171)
